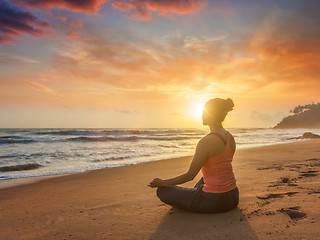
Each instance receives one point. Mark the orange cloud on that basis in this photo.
(38, 86)
(277, 58)
(88, 6)
(74, 35)
(177, 64)
(287, 47)
(141, 9)
(199, 64)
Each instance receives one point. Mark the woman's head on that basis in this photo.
(216, 109)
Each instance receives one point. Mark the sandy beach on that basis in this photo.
(279, 196)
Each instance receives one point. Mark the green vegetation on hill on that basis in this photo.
(306, 116)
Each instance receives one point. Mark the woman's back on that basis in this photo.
(213, 156)
(217, 171)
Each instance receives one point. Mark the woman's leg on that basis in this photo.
(195, 200)
(200, 183)
(178, 196)
(219, 202)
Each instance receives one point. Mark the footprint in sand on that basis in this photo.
(309, 173)
(284, 181)
(295, 166)
(101, 209)
(271, 168)
(294, 213)
(314, 162)
(275, 195)
(314, 192)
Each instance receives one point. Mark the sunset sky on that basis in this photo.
(133, 64)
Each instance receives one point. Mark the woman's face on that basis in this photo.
(209, 114)
(206, 117)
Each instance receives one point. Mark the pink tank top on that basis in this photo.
(217, 172)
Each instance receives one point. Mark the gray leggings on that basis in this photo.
(196, 200)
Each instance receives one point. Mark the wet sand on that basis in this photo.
(279, 194)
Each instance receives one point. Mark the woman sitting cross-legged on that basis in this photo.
(217, 190)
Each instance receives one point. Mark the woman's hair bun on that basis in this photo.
(229, 104)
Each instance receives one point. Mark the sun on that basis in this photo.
(196, 109)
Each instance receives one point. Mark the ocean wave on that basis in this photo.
(177, 131)
(13, 156)
(131, 138)
(5, 177)
(173, 138)
(20, 167)
(111, 158)
(104, 132)
(89, 132)
(168, 146)
(63, 132)
(102, 139)
(114, 158)
(32, 155)
(58, 133)
(10, 141)
(11, 137)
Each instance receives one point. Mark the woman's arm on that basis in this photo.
(198, 161)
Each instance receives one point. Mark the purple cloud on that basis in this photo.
(15, 21)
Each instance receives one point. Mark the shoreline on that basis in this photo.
(278, 187)
(8, 183)
(55, 158)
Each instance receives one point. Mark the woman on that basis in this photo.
(217, 190)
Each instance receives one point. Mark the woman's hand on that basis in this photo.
(157, 182)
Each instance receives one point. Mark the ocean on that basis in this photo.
(44, 152)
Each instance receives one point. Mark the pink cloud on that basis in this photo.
(88, 6)
(71, 22)
(74, 35)
(141, 9)
(75, 23)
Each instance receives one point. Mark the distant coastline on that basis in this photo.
(306, 116)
